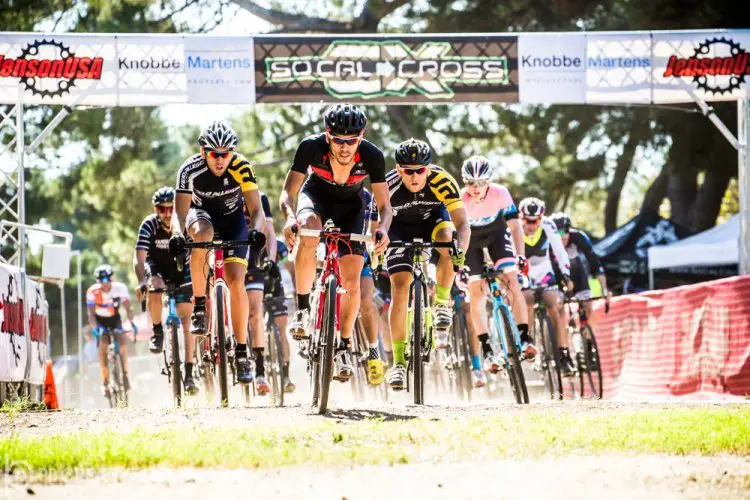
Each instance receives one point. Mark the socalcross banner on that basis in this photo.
(393, 69)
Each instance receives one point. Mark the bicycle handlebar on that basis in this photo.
(216, 244)
(317, 233)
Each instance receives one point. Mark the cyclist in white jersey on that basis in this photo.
(542, 244)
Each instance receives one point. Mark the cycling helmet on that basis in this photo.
(413, 152)
(218, 135)
(164, 194)
(103, 272)
(532, 207)
(345, 119)
(476, 168)
(562, 221)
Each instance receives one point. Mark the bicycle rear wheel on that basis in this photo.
(515, 370)
(327, 338)
(550, 357)
(417, 365)
(176, 372)
(121, 398)
(590, 375)
(221, 339)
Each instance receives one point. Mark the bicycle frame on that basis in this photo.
(499, 306)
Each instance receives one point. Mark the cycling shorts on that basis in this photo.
(348, 213)
(497, 239)
(367, 268)
(184, 293)
(275, 299)
(227, 228)
(398, 259)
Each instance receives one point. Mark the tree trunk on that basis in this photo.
(707, 204)
(656, 191)
(624, 162)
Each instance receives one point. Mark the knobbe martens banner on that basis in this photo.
(401, 70)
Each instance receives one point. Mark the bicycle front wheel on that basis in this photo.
(550, 358)
(417, 364)
(591, 373)
(221, 339)
(176, 372)
(274, 365)
(327, 338)
(515, 370)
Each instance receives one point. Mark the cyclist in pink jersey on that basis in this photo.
(495, 226)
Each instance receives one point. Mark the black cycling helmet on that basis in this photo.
(218, 135)
(345, 119)
(103, 273)
(531, 207)
(476, 168)
(562, 221)
(164, 194)
(413, 152)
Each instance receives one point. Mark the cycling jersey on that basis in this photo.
(255, 277)
(545, 239)
(487, 218)
(497, 204)
(106, 304)
(421, 214)
(579, 243)
(153, 237)
(313, 154)
(440, 190)
(221, 195)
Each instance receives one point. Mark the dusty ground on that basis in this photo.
(569, 477)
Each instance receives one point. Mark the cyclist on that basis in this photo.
(494, 225)
(211, 187)
(274, 287)
(543, 243)
(155, 267)
(579, 248)
(103, 301)
(426, 204)
(255, 279)
(368, 312)
(338, 161)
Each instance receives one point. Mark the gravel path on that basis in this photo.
(122, 419)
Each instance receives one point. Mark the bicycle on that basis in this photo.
(420, 327)
(504, 332)
(548, 355)
(218, 307)
(582, 337)
(273, 358)
(326, 302)
(119, 385)
(171, 349)
(459, 350)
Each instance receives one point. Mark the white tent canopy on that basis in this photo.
(718, 246)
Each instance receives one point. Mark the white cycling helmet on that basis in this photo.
(218, 135)
(476, 168)
(531, 207)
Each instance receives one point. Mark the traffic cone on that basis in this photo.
(50, 393)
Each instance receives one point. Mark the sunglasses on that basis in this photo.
(162, 209)
(531, 221)
(341, 140)
(414, 171)
(477, 183)
(215, 155)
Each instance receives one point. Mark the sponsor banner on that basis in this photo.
(37, 314)
(713, 65)
(552, 68)
(13, 340)
(67, 69)
(151, 71)
(398, 69)
(618, 68)
(220, 70)
(690, 342)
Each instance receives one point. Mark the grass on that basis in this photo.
(21, 405)
(711, 431)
